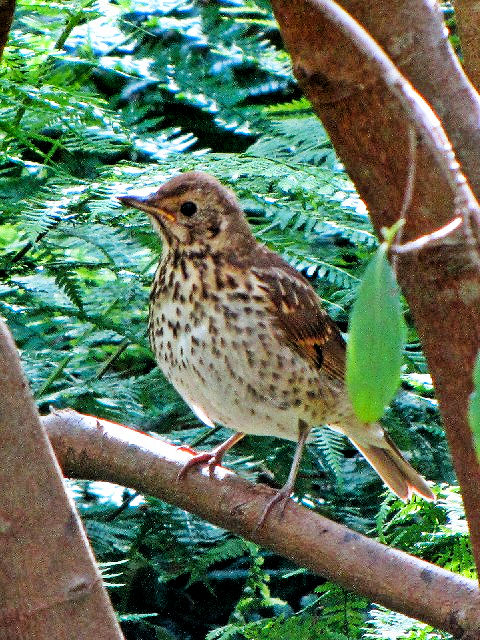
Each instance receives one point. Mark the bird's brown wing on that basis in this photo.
(302, 323)
(305, 326)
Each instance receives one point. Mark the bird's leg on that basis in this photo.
(283, 495)
(213, 458)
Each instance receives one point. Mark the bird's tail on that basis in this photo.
(394, 470)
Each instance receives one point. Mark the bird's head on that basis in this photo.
(195, 210)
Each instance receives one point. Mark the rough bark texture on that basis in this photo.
(98, 449)
(7, 8)
(370, 131)
(50, 586)
(413, 34)
(467, 14)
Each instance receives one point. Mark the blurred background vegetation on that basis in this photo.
(98, 97)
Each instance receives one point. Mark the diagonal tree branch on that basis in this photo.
(50, 585)
(412, 33)
(88, 447)
(347, 87)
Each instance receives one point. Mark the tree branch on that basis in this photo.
(346, 85)
(7, 8)
(49, 583)
(467, 13)
(412, 33)
(88, 447)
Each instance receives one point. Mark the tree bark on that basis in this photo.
(7, 8)
(88, 447)
(412, 33)
(49, 584)
(371, 132)
(467, 14)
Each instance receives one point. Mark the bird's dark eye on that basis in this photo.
(188, 208)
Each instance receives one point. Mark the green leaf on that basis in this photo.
(474, 407)
(376, 336)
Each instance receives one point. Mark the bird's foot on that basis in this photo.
(281, 497)
(210, 458)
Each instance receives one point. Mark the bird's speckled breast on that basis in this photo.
(213, 339)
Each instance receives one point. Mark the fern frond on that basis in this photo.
(227, 550)
(331, 445)
(67, 280)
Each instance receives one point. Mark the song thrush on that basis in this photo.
(243, 337)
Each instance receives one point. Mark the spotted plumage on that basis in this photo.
(242, 335)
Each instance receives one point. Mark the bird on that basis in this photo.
(243, 337)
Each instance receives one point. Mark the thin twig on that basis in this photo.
(429, 239)
(116, 354)
(407, 194)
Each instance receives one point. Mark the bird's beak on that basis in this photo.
(148, 205)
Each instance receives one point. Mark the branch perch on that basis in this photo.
(88, 447)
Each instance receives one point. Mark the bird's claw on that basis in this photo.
(210, 459)
(282, 496)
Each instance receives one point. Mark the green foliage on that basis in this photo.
(383, 624)
(325, 612)
(375, 342)
(437, 532)
(474, 406)
(98, 98)
(331, 445)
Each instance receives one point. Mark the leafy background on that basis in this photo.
(98, 97)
